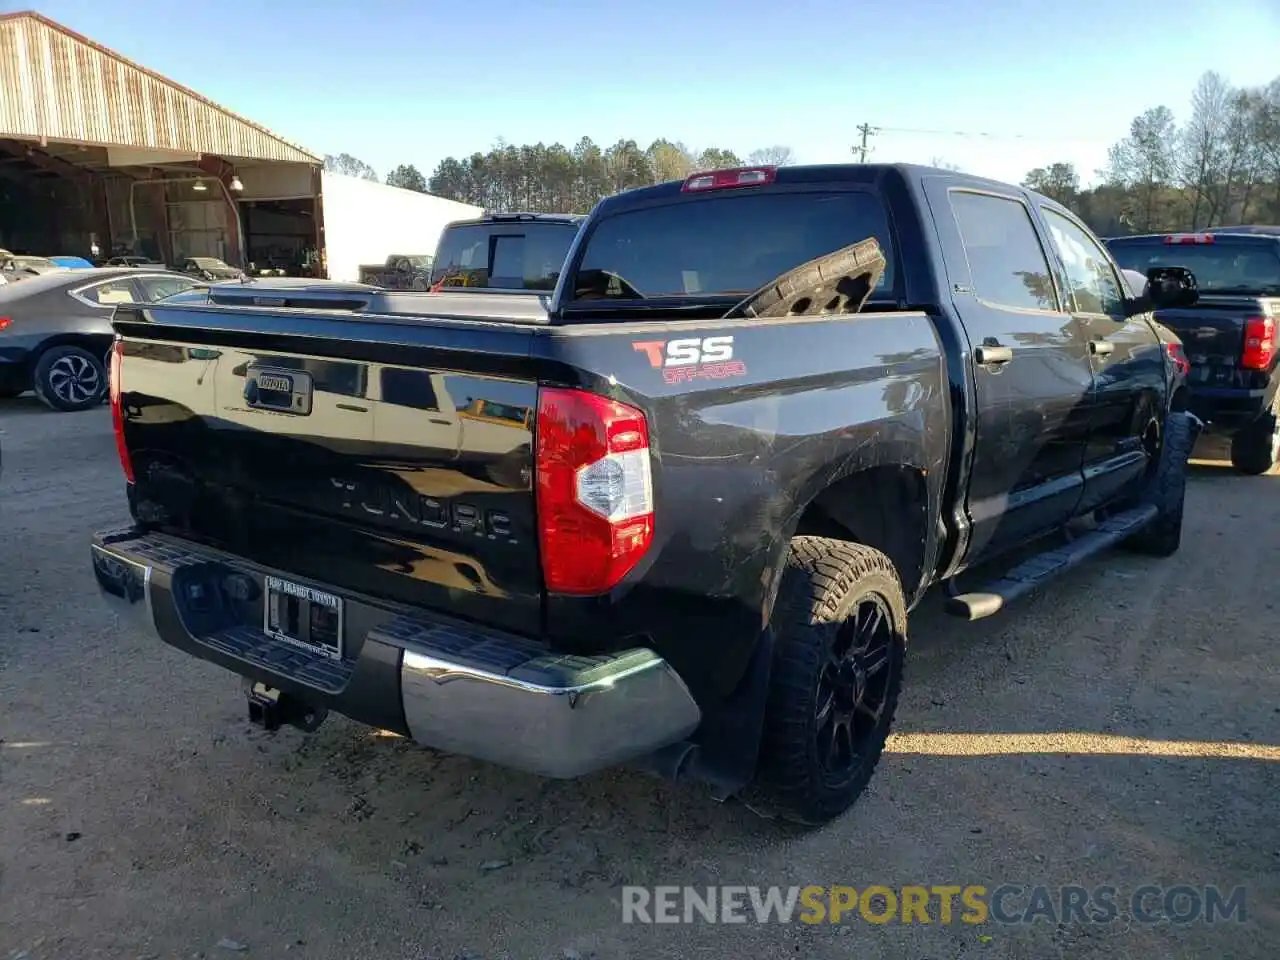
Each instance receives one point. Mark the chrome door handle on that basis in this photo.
(987, 354)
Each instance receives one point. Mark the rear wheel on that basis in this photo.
(840, 622)
(1256, 448)
(69, 378)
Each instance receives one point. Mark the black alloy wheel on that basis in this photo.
(853, 689)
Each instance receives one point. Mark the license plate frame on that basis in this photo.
(303, 616)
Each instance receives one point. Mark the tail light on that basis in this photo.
(595, 490)
(1178, 358)
(1181, 238)
(728, 179)
(117, 409)
(5, 321)
(1259, 343)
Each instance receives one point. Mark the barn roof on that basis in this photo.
(58, 85)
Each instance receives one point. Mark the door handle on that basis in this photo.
(987, 354)
(352, 407)
(1101, 347)
(443, 423)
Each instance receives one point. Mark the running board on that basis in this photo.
(1043, 567)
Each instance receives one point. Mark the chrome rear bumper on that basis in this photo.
(454, 685)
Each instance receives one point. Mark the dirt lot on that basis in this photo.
(140, 815)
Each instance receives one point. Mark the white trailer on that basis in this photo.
(365, 222)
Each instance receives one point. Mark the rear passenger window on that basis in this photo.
(110, 293)
(1006, 262)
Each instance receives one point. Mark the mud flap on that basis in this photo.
(723, 752)
(836, 283)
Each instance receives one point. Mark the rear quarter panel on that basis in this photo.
(741, 445)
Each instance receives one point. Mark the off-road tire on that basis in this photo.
(44, 387)
(823, 581)
(836, 283)
(1253, 449)
(1167, 490)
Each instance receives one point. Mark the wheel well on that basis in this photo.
(882, 507)
(96, 344)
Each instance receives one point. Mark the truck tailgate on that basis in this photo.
(401, 469)
(1212, 334)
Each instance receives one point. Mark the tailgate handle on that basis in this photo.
(1101, 347)
(988, 354)
(280, 389)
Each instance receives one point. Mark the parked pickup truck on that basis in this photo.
(1230, 335)
(399, 272)
(762, 413)
(504, 251)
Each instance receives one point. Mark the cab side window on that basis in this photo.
(110, 293)
(157, 288)
(1007, 264)
(406, 387)
(1094, 284)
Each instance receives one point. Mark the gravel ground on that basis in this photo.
(1121, 728)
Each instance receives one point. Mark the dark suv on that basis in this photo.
(505, 251)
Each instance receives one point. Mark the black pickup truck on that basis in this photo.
(675, 514)
(1229, 335)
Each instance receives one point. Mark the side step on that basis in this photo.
(1043, 567)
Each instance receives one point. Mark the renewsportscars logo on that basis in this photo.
(692, 358)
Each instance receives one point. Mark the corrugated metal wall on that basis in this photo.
(57, 85)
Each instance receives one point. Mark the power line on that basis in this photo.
(981, 134)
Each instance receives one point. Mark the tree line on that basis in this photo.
(539, 178)
(1220, 166)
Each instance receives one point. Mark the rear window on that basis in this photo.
(1245, 268)
(525, 255)
(724, 246)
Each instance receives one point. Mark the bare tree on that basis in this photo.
(777, 156)
(345, 163)
(942, 163)
(1267, 132)
(1145, 164)
(1203, 148)
(1246, 153)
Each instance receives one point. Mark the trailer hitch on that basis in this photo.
(271, 709)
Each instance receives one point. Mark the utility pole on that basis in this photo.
(867, 130)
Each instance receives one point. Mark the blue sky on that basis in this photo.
(413, 83)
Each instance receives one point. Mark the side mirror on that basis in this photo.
(1171, 287)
